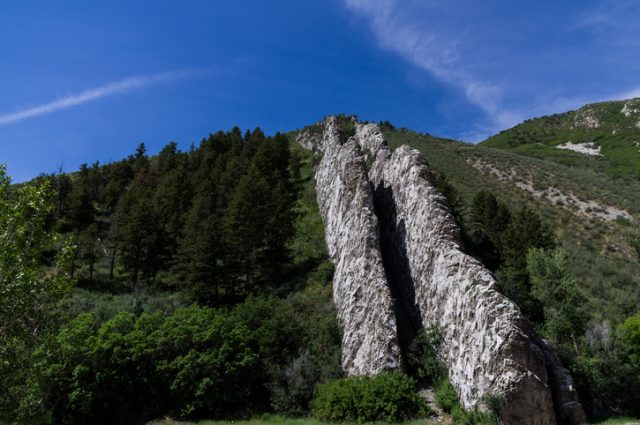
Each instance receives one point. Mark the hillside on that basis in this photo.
(587, 209)
(601, 136)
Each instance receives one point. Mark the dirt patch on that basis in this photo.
(583, 148)
(554, 195)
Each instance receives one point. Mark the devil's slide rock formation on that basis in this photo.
(364, 304)
(399, 259)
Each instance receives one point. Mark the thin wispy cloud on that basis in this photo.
(510, 69)
(123, 86)
(414, 38)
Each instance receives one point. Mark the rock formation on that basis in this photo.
(399, 258)
(363, 302)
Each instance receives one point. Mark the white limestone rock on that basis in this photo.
(630, 107)
(584, 148)
(360, 291)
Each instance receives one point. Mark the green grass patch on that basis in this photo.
(281, 420)
(619, 421)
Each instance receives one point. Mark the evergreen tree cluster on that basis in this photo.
(215, 221)
(502, 239)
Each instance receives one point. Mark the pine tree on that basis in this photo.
(198, 262)
(62, 186)
(89, 245)
(259, 219)
(245, 223)
(117, 177)
(525, 231)
(173, 194)
(81, 210)
(489, 219)
(141, 240)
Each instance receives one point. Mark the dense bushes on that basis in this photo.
(446, 396)
(447, 399)
(423, 363)
(319, 361)
(422, 360)
(609, 368)
(388, 396)
(197, 362)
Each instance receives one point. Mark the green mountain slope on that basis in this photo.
(610, 132)
(232, 227)
(587, 208)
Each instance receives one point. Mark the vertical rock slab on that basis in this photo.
(488, 346)
(360, 291)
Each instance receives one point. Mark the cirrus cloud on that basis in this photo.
(108, 89)
(512, 60)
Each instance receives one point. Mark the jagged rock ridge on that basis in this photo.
(363, 302)
(398, 255)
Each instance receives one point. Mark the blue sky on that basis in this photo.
(84, 81)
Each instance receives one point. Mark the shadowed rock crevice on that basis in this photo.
(397, 269)
(400, 266)
(363, 300)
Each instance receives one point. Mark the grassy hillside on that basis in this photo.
(612, 128)
(587, 208)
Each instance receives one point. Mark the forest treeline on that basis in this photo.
(214, 221)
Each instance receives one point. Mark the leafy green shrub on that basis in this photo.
(347, 125)
(33, 286)
(474, 417)
(194, 362)
(612, 373)
(105, 306)
(422, 358)
(446, 396)
(292, 387)
(389, 396)
(447, 399)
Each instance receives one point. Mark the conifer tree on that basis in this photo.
(81, 210)
(89, 246)
(525, 231)
(245, 226)
(141, 239)
(489, 219)
(198, 262)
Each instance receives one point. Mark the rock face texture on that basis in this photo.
(399, 259)
(363, 301)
